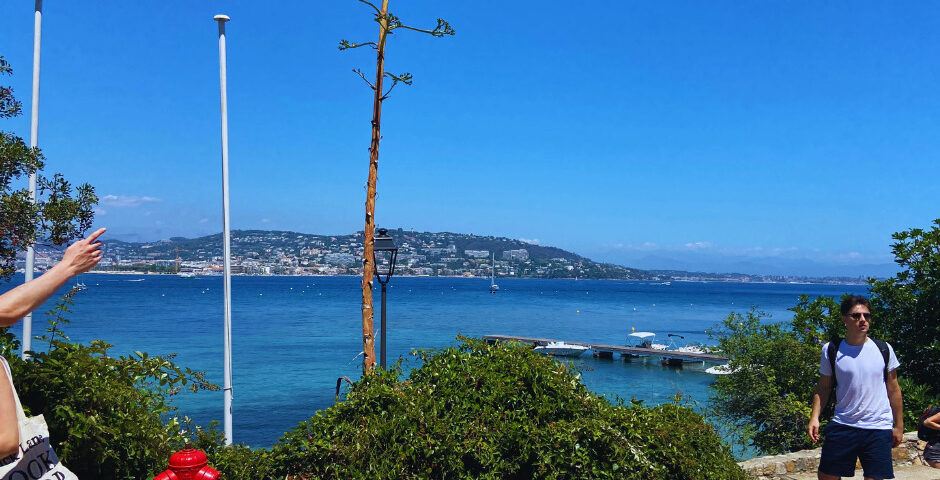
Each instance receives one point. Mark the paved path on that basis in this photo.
(909, 472)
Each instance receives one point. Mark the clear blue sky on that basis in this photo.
(786, 137)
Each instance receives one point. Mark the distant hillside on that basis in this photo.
(420, 253)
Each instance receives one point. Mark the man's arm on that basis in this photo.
(820, 398)
(78, 258)
(897, 406)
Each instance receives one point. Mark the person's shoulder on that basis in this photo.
(879, 343)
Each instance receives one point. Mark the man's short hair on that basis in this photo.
(849, 302)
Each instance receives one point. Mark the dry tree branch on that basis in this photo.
(442, 28)
(346, 44)
(364, 78)
(405, 78)
(377, 10)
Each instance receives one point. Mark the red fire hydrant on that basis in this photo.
(188, 464)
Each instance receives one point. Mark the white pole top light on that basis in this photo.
(221, 18)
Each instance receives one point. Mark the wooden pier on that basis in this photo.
(608, 351)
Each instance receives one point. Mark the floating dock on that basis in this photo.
(607, 351)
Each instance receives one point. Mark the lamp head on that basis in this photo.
(384, 255)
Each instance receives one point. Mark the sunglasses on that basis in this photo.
(858, 316)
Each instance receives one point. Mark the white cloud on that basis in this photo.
(100, 211)
(265, 220)
(698, 245)
(204, 220)
(127, 200)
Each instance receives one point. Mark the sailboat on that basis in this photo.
(493, 286)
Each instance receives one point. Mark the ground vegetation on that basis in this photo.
(498, 411)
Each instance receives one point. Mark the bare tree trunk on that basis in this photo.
(368, 267)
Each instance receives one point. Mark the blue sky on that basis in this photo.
(787, 137)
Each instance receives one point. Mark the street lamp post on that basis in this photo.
(385, 253)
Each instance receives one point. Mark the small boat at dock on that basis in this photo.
(561, 349)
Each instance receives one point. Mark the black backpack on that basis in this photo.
(834, 350)
(924, 432)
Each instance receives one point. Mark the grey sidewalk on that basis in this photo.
(907, 472)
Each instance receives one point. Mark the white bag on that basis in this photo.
(35, 460)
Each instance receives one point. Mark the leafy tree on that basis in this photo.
(57, 216)
(496, 411)
(906, 308)
(388, 23)
(775, 365)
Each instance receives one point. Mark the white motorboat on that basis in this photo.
(647, 339)
(561, 349)
(721, 370)
(693, 347)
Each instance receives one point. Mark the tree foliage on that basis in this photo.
(61, 212)
(906, 308)
(496, 411)
(775, 368)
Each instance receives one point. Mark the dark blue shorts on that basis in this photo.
(842, 445)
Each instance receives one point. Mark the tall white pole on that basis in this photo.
(226, 240)
(33, 142)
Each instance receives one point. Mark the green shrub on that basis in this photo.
(109, 417)
(768, 398)
(496, 411)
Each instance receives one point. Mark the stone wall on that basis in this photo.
(774, 467)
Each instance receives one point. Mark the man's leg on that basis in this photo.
(839, 452)
(875, 454)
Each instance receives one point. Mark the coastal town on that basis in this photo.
(444, 254)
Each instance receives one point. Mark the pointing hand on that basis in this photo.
(84, 254)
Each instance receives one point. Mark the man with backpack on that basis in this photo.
(868, 420)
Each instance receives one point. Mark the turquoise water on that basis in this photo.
(292, 337)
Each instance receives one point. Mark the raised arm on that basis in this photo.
(897, 406)
(933, 421)
(820, 398)
(78, 258)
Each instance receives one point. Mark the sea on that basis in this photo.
(293, 337)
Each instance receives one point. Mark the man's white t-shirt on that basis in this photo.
(861, 394)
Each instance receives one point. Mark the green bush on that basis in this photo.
(496, 411)
(109, 417)
(768, 398)
(905, 307)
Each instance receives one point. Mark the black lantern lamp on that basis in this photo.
(384, 249)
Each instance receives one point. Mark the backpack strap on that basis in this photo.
(831, 353)
(885, 353)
